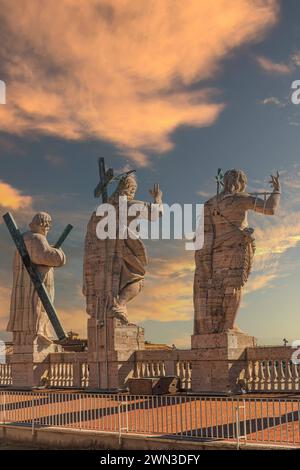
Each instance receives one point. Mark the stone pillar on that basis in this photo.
(111, 352)
(217, 361)
(30, 360)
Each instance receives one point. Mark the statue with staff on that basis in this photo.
(224, 263)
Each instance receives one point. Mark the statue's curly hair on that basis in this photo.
(42, 219)
(234, 181)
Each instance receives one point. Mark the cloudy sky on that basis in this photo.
(175, 90)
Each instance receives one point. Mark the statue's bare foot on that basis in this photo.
(120, 312)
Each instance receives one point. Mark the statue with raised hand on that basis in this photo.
(114, 269)
(224, 263)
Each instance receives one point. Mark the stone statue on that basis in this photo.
(114, 269)
(224, 262)
(28, 319)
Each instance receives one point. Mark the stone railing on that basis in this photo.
(5, 374)
(68, 370)
(160, 363)
(270, 369)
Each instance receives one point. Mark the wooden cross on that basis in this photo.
(34, 273)
(219, 179)
(107, 177)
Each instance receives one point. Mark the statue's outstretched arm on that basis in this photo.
(270, 204)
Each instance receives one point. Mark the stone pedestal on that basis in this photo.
(218, 360)
(30, 362)
(111, 350)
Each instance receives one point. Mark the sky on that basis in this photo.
(174, 90)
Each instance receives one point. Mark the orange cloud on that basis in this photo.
(12, 198)
(120, 71)
(168, 291)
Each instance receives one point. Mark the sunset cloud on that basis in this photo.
(120, 71)
(12, 198)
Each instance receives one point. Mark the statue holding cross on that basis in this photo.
(31, 310)
(114, 269)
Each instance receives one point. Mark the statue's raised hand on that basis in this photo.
(274, 181)
(156, 193)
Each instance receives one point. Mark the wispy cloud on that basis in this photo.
(273, 101)
(270, 66)
(120, 71)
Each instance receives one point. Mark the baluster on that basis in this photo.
(249, 376)
(182, 374)
(189, 375)
(282, 375)
(290, 376)
(275, 375)
(255, 371)
(136, 370)
(268, 376)
(261, 376)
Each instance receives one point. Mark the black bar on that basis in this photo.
(63, 236)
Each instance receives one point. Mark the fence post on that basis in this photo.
(4, 408)
(237, 420)
(32, 421)
(80, 410)
(119, 423)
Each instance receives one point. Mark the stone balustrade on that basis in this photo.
(272, 376)
(269, 369)
(5, 374)
(161, 363)
(68, 370)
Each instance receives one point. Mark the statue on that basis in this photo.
(28, 319)
(224, 263)
(114, 269)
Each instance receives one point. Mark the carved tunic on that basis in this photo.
(224, 263)
(111, 265)
(27, 313)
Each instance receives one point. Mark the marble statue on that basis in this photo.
(224, 263)
(28, 318)
(114, 269)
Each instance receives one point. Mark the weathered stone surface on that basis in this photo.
(29, 322)
(218, 360)
(111, 352)
(114, 271)
(153, 385)
(224, 263)
(27, 314)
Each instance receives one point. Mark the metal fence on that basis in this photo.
(254, 420)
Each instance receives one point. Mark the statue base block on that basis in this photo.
(30, 362)
(111, 349)
(218, 360)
